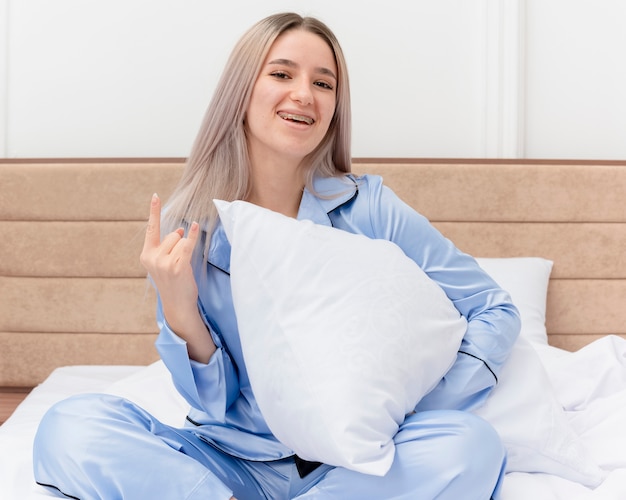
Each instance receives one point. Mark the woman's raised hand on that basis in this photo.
(168, 263)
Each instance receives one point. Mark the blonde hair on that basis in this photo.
(218, 165)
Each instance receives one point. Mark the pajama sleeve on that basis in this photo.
(493, 320)
(210, 387)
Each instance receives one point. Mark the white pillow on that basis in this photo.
(532, 424)
(526, 279)
(342, 334)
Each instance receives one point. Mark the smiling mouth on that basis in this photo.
(297, 118)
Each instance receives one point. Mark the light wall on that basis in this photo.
(446, 78)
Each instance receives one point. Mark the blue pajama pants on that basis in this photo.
(104, 447)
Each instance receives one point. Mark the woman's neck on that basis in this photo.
(277, 187)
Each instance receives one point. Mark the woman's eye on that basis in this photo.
(280, 74)
(324, 85)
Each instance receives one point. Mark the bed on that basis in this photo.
(76, 314)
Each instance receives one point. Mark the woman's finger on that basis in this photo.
(153, 231)
(192, 238)
(171, 241)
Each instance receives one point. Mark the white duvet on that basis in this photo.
(590, 385)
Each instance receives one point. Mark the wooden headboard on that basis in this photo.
(72, 290)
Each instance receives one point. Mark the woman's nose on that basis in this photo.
(302, 93)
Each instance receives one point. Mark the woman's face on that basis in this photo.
(293, 98)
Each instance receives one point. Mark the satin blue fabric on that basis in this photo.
(225, 421)
(95, 446)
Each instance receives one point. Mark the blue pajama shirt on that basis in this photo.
(226, 447)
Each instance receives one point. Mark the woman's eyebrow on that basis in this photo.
(293, 64)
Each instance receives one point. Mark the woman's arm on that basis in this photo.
(493, 320)
(168, 263)
(201, 371)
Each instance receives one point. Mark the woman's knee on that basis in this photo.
(481, 460)
(57, 424)
(74, 422)
(464, 432)
(464, 448)
(480, 444)
(446, 455)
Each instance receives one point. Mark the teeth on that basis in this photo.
(296, 118)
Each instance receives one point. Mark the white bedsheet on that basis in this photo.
(590, 385)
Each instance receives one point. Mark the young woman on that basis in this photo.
(276, 133)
